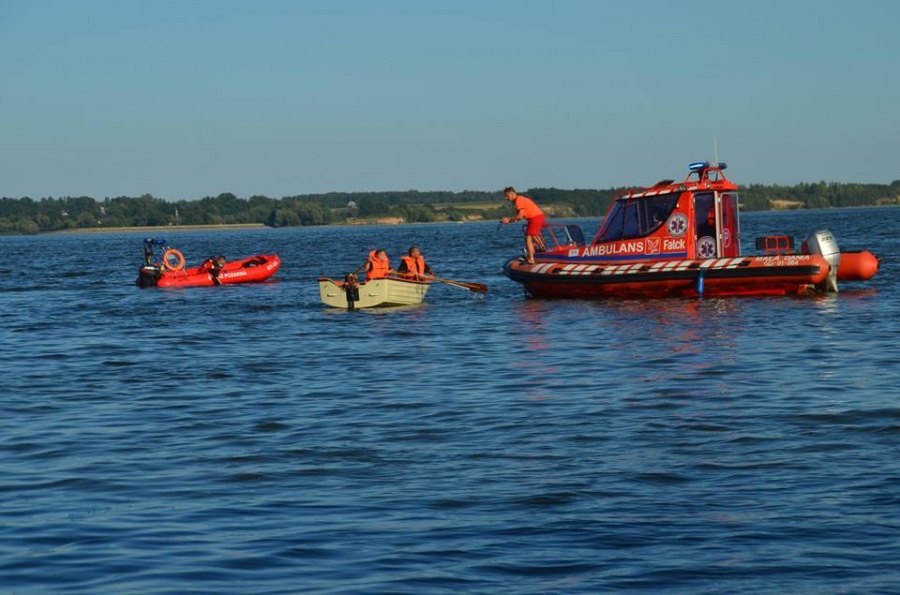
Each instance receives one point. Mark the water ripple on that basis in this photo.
(243, 439)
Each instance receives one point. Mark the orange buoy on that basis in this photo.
(857, 266)
(179, 259)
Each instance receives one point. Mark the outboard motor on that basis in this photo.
(148, 275)
(822, 242)
(351, 290)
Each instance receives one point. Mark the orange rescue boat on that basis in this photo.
(164, 267)
(682, 239)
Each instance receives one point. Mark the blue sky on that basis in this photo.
(190, 98)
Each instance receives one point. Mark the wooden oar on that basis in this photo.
(476, 287)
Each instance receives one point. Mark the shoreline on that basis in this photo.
(146, 228)
(234, 226)
(352, 223)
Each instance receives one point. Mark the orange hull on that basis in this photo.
(793, 274)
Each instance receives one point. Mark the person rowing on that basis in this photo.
(413, 266)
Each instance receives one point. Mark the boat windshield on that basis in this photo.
(636, 217)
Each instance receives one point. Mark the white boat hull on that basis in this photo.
(377, 293)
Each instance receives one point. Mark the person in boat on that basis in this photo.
(413, 265)
(528, 210)
(378, 266)
(707, 226)
(213, 266)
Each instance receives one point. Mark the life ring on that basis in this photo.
(179, 258)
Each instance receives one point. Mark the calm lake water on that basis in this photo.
(246, 439)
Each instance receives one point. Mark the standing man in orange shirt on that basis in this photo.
(528, 210)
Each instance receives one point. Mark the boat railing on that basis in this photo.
(561, 235)
(151, 245)
(772, 245)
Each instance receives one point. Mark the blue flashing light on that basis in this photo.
(701, 165)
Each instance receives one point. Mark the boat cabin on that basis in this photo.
(695, 219)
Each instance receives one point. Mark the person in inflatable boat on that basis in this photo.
(413, 265)
(213, 264)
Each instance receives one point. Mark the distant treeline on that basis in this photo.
(29, 216)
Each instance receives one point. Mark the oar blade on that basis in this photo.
(476, 287)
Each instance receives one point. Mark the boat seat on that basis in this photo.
(253, 263)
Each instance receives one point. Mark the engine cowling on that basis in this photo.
(822, 242)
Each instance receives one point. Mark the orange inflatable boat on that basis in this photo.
(165, 267)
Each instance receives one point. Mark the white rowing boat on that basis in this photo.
(375, 293)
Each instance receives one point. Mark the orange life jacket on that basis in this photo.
(377, 269)
(415, 265)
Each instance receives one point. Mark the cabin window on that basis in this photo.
(636, 217)
(731, 235)
(705, 214)
(729, 209)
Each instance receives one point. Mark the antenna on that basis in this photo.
(716, 148)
